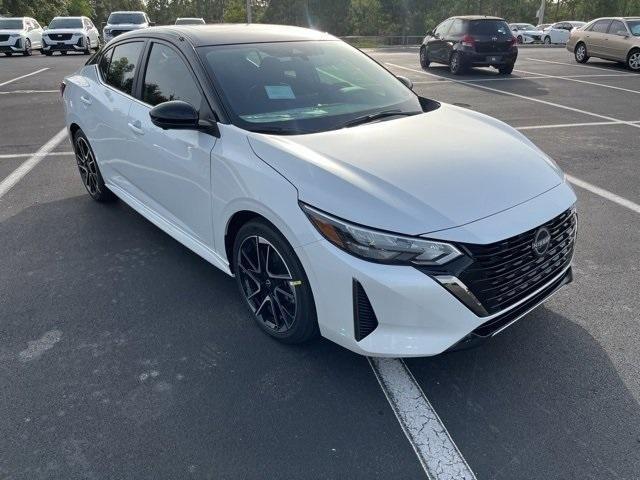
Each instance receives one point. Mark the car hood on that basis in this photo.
(413, 175)
(63, 31)
(531, 32)
(125, 26)
(10, 32)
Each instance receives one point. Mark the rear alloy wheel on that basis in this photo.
(547, 40)
(424, 57)
(27, 48)
(8, 54)
(63, 52)
(273, 284)
(633, 62)
(519, 38)
(89, 171)
(456, 64)
(581, 53)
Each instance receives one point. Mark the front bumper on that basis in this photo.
(73, 45)
(415, 314)
(12, 46)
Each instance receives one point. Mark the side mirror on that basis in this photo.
(179, 115)
(407, 82)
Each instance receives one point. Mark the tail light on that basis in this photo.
(62, 87)
(468, 41)
(513, 41)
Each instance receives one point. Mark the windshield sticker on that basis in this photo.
(279, 92)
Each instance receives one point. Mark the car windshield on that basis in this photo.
(489, 27)
(10, 24)
(65, 23)
(634, 26)
(526, 27)
(303, 87)
(134, 18)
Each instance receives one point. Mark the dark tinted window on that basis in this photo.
(103, 66)
(134, 18)
(168, 78)
(65, 23)
(122, 67)
(600, 26)
(617, 26)
(489, 27)
(11, 24)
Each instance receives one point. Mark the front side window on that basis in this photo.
(303, 86)
(121, 69)
(168, 78)
(57, 23)
(11, 24)
(120, 18)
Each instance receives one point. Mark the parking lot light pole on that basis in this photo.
(248, 11)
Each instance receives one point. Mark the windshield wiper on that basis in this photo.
(376, 116)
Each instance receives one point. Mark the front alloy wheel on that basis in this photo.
(581, 53)
(547, 40)
(273, 283)
(634, 60)
(27, 47)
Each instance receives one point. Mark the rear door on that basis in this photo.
(171, 169)
(617, 43)
(597, 37)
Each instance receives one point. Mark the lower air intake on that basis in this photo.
(364, 318)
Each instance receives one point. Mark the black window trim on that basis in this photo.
(111, 48)
(624, 24)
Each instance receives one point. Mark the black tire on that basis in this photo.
(547, 40)
(633, 60)
(89, 170)
(506, 69)
(580, 53)
(8, 54)
(49, 53)
(424, 57)
(63, 52)
(519, 39)
(456, 64)
(281, 303)
(27, 48)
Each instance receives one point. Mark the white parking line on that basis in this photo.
(569, 79)
(570, 125)
(517, 95)
(612, 197)
(533, 76)
(575, 65)
(29, 91)
(4, 156)
(23, 76)
(14, 177)
(438, 454)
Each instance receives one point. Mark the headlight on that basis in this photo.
(380, 246)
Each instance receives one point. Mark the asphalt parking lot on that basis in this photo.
(125, 356)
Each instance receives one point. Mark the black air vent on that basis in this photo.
(364, 318)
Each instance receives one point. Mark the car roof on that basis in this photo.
(232, 33)
(127, 11)
(65, 16)
(477, 17)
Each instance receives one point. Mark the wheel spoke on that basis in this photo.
(285, 316)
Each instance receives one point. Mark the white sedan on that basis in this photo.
(560, 32)
(343, 203)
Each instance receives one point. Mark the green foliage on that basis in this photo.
(340, 17)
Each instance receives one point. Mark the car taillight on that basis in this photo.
(513, 41)
(62, 87)
(468, 41)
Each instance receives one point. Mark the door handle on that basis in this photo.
(136, 127)
(85, 100)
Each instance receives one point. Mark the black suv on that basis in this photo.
(470, 41)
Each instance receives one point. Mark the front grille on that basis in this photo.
(4, 38)
(493, 47)
(115, 33)
(60, 36)
(364, 318)
(505, 272)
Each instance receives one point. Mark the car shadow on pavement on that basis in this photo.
(124, 355)
(541, 400)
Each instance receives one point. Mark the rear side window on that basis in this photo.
(168, 78)
(616, 27)
(601, 26)
(122, 67)
(443, 28)
(489, 27)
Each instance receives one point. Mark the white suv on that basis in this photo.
(75, 34)
(19, 35)
(122, 22)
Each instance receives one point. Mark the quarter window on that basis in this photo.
(443, 28)
(122, 67)
(457, 27)
(617, 26)
(168, 78)
(601, 26)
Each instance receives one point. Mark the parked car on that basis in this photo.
(615, 38)
(121, 22)
(559, 32)
(470, 41)
(190, 21)
(19, 35)
(70, 34)
(337, 197)
(525, 32)
(542, 26)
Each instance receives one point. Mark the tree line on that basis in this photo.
(339, 17)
